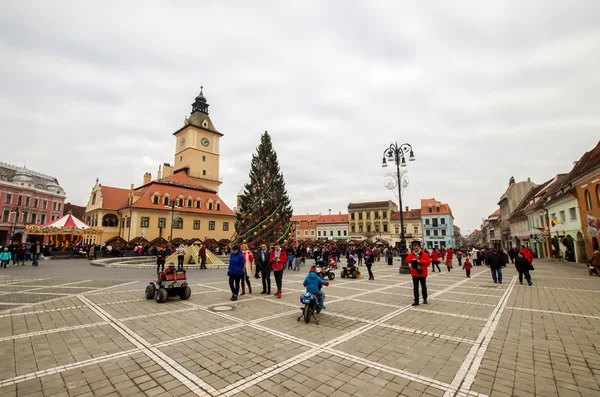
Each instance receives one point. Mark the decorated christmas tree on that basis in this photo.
(264, 214)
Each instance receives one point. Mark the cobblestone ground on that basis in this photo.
(97, 336)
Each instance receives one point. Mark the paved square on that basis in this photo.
(96, 335)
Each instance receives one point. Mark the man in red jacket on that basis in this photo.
(526, 254)
(418, 261)
(278, 260)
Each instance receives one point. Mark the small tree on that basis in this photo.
(265, 210)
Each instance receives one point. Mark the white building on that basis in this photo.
(333, 227)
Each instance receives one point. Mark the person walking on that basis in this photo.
(235, 271)
(20, 255)
(36, 251)
(248, 264)
(202, 255)
(369, 259)
(419, 262)
(495, 262)
(291, 253)
(449, 257)
(459, 257)
(5, 258)
(467, 267)
(359, 253)
(523, 266)
(278, 260)
(161, 257)
(389, 255)
(180, 257)
(435, 260)
(263, 264)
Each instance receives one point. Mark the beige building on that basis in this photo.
(181, 202)
(333, 227)
(305, 226)
(370, 220)
(413, 226)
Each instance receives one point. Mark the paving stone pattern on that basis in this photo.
(100, 337)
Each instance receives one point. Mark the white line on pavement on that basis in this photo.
(554, 312)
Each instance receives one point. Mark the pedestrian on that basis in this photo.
(449, 257)
(369, 259)
(235, 271)
(523, 266)
(527, 254)
(27, 251)
(263, 263)
(202, 255)
(359, 253)
(389, 255)
(459, 256)
(161, 257)
(495, 262)
(20, 254)
(5, 257)
(291, 253)
(36, 251)
(419, 262)
(278, 260)
(435, 260)
(248, 264)
(180, 257)
(467, 267)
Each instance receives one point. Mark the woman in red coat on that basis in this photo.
(278, 260)
(435, 260)
(418, 261)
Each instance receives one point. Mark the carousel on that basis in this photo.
(66, 231)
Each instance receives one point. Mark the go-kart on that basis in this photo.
(350, 272)
(168, 285)
(324, 271)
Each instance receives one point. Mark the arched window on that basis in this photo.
(110, 220)
(598, 194)
(178, 223)
(588, 200)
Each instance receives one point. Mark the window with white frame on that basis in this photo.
(572, 213)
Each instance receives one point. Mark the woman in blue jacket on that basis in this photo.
(313, 284)
(236, 271)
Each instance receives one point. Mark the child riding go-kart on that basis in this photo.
(350, 270)
(169, 283)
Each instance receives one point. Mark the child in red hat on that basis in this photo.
(467, 267)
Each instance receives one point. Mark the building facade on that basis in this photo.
(306, 226)
(181, 202)
(28, 198)
(413, 226)
(492, 231)
(333, 227)
(370, 219)
(438, 224)
(508, 202)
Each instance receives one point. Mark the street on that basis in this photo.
(71, 329)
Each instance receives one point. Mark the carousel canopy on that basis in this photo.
(67, 221)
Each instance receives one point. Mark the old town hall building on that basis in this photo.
(181, 202)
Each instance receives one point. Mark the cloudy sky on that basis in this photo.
(482, 90)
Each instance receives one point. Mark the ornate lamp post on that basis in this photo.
(15, 211)
(172, 205)
(398, 154)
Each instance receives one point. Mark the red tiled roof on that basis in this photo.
(113, 198)
(305, 218)
(412, 214)
(495, 213)
(329, 219)
(182, 189)
(586, 163)
(444, 208)
(183, 180)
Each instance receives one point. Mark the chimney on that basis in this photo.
(340, 213)
(147, 178)
(158, 175)
(330, 211)
(528, 179)
(131, 187)
(406, 208)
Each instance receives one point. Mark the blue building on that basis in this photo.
(438, 224)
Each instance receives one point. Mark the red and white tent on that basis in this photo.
(67, 221)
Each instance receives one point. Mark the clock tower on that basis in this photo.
(197, 146)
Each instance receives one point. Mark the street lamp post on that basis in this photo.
(397, 154)
(14, 226)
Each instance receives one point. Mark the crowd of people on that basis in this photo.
(20, 253)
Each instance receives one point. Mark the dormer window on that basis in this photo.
(166, 199)
(210, 206)
(189, 202)
(218, 206)
(155, 198)
(198, 203)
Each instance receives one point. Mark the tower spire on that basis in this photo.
(200, 104)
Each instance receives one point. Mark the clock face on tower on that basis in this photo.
(182, 142)
(204, 142)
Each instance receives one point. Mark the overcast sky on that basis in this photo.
(483, 90)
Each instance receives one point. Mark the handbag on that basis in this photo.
(531, 267)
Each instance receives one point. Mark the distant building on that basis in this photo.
(77, 211)
(306, 226)
(438, 224)
(27, 197)
(509, 201)
(333, 227)
(413, 226)
(369, 220)
(182, 201)
(491, 233)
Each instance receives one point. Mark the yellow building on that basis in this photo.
(370, 220)
(413, 226)
(181, 202)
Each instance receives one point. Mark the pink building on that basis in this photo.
(27, 197)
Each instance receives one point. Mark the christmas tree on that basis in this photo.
(265, 211)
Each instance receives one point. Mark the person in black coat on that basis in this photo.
(523, 266)
(495, 262)
(261, 261)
